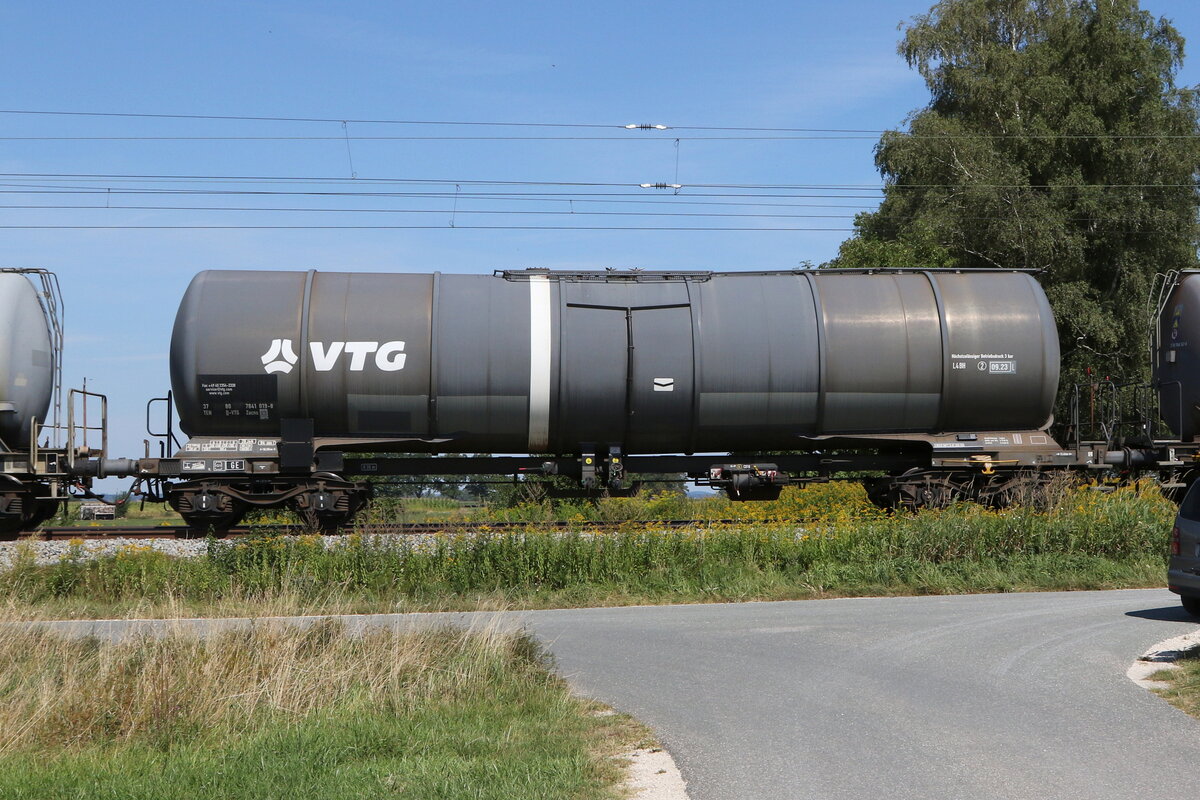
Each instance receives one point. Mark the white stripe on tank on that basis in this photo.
(539, 363)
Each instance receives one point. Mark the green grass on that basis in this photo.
(1089, 540)
(1184, 680)
(289, 713)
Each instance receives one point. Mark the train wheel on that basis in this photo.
(329, 505)
(25, 510)
(204, 510)
(10, 528)
(46, 510)
(12, 508)
(917, 489)
(325, 523)
(201, 524)
(1018, 488)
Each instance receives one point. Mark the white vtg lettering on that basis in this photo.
(389, 356)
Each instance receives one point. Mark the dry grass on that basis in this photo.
(318, 711)
(74, 691)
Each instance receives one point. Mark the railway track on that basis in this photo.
(381, 528)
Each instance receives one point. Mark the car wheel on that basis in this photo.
(1191, 604)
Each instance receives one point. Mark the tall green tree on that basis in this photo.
(1055, 139)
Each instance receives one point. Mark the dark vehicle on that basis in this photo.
(1183, 567)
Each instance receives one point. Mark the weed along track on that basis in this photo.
(1087, 540)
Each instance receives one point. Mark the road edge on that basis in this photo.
(651, 774)
(1159, 657)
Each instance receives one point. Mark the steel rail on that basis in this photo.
(386, 528)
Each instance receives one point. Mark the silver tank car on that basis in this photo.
(536, 361)
(26, 360)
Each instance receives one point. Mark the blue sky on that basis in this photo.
(686, 65)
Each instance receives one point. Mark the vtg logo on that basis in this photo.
(281, 357)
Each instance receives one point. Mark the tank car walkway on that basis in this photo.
(984, 696)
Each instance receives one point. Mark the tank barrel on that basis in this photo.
(542, 362)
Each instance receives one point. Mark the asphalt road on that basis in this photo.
(983, 696)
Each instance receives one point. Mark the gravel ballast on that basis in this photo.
(50, 552)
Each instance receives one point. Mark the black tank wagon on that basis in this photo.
(542, 362)
(278, 375)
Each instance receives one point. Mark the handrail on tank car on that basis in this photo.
(1103, 399)
(33, 444)
(897, 271)
(1142, 412)
(633, 275)
(636, 275)
(1156, 303)
(71, 427)
(167, 437)
(1112, 409)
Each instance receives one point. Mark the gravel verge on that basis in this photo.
(1159, 657)
(652, 775)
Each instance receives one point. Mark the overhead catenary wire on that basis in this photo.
(747, 198)
(360, 137)
(723, 193)
(338, 120)
(418, 227)
(814, 137)
(643, 128)
(599, 197)
(329, 179)
(573, 228)
(523, 212)
(617, 199)
(550, 195)
(334, 179)
(715, 199)
(498, 212)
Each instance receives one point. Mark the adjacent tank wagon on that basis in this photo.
(1176, 354)
(27, 360)
(38, 471)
